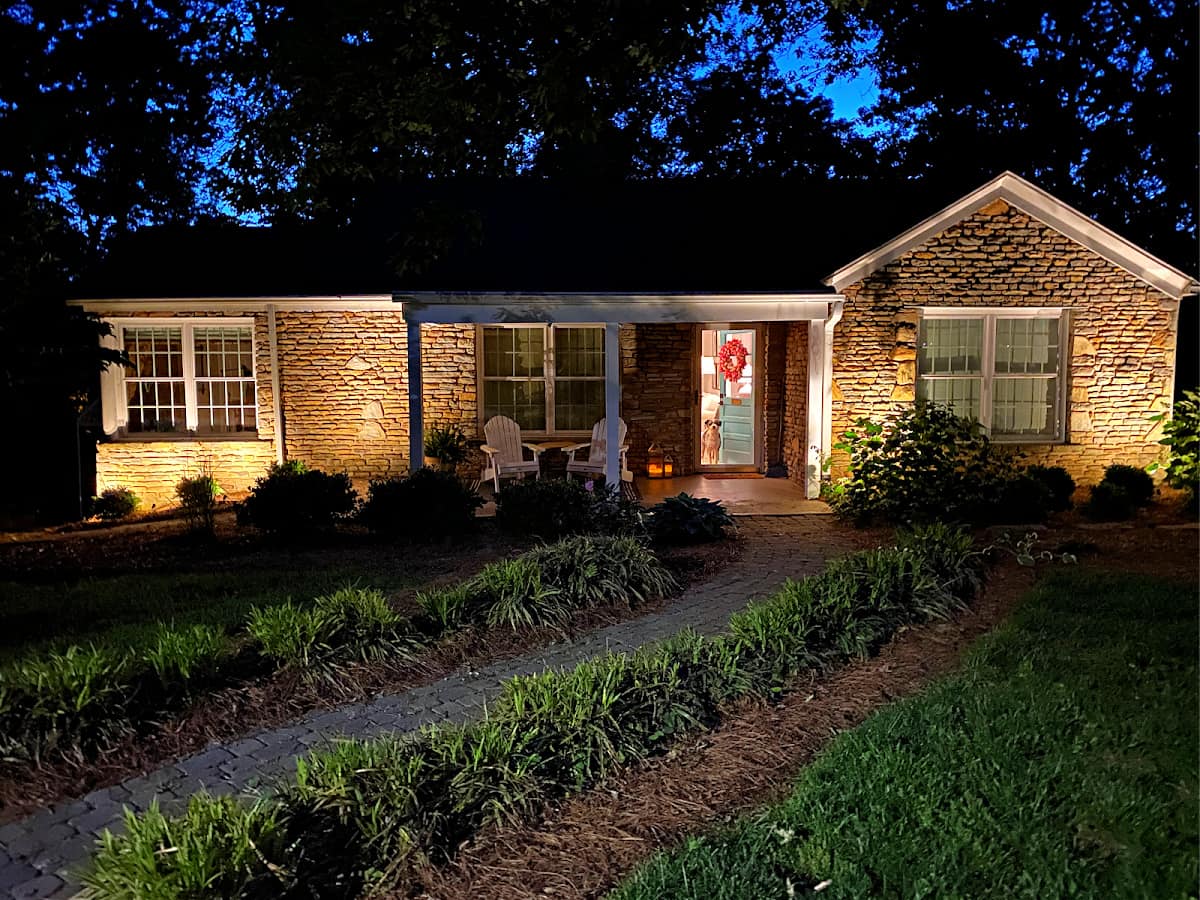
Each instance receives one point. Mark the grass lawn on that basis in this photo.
(1061, 762)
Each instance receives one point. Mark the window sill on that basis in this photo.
(185, 437)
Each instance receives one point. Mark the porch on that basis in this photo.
(658, 362)
(742, 496)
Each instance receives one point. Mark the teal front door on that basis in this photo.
(728, 435)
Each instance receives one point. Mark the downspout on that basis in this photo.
(836, 308)
(276, 392)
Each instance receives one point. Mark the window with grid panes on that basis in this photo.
(1002, 368)
(545, 378)
(189, 377)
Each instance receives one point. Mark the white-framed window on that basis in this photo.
(547, 378)
(1004, 367)
(188, 377)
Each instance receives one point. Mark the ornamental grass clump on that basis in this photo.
(360, 815)
(219, 847)
(180, 659)
(352, 623)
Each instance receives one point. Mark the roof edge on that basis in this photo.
(1044, 207)
(315, 302)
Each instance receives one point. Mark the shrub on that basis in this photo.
(293, 499)
(1181, 436)
(428, 504)
(1058, 483)
(115, 503)
(198, 499)
(1017, 500)
(929, 464)
(181, 657)
(1109, 503)
(1136, 482)
(217, 848)
(553, 508)
(74, 699)
(447, 444)
(689, 520)
(349, 623)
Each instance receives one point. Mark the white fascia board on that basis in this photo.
(574, 308)
(329, 303)
(1044, 207)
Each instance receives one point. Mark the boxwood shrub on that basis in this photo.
(292, 499)
(553, 507)
(429, 504)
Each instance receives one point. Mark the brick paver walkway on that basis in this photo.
(39, 854)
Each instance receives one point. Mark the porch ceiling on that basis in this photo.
(512, 308)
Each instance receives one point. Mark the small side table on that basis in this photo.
(552, 461)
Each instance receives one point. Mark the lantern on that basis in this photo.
(668, 466)
(654, 461)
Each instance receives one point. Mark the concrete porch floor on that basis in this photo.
(741, 496)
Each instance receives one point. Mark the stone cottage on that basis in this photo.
(1057, 334)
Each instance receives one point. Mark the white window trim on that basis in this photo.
(549, 374)
(987, 375)
(187, 325)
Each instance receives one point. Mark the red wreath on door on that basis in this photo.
(731, 359)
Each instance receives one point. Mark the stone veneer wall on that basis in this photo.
(151, 469)
(795, 392)
(658, 392)
(774, 405)
(1122, 332)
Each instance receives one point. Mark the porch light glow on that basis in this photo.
(668, 466)
(655, 460)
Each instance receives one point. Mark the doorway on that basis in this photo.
(729, 396)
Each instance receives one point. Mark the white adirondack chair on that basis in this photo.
(597, 458)
(506, 452)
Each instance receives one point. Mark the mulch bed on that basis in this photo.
(260, 700)
(586, 845)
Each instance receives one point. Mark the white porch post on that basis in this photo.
(816, 407)
(612, 403)
(416, 413)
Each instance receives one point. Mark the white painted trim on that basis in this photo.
(835, 316)
(1045, 208)
(276, 389)
(590, 309)
(350, 303)
(612, 404)
(815, 410)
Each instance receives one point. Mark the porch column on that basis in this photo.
(612, 403)
(416, 413)
(815, 430)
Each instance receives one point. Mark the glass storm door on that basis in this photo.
(728, 394)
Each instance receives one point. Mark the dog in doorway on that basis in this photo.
(710, 442)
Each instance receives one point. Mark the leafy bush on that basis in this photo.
(71, 700)
(1019, 499)
(198, 500)
(428, 504)
(1109, 503)
(1058, 483)
(349, 623)
(293, 499)
(447, 444)
(1136, 482)
(115, 503)
(361, 812)
(929, 464)
(1181, 436)
(554, 508)
(219, 847)
(181, 657)
(689, 520)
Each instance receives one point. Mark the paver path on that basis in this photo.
(39, 854)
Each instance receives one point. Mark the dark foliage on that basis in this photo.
(552, 508)
(115, 503)
(1109, 502)
(1136, 482)
(1059, 484)
(292, 499)
(427, 505)
(689, 520)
